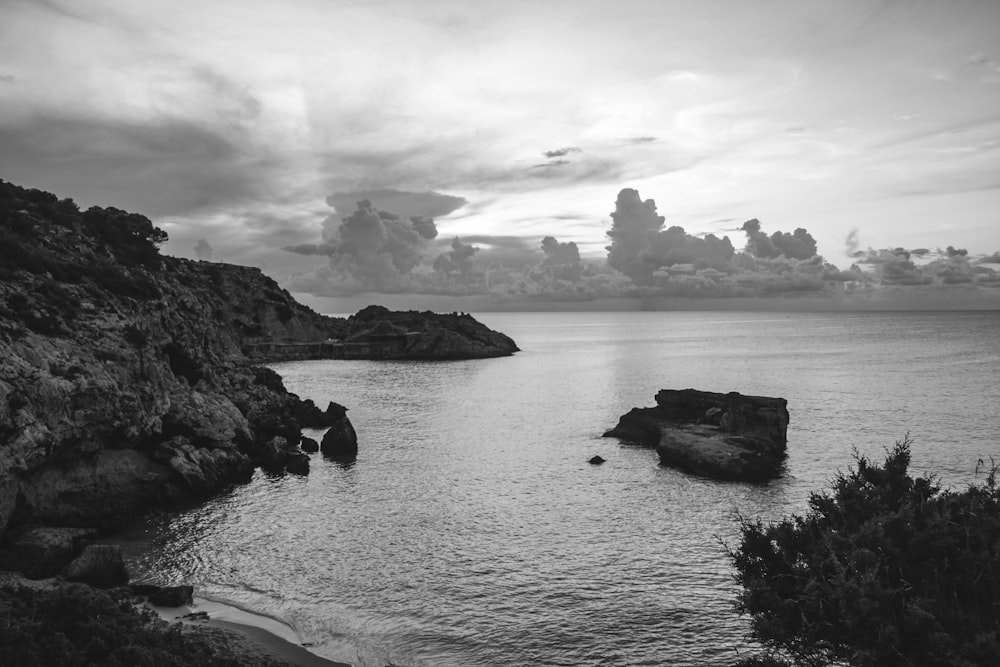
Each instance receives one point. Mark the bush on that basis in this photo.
(886, 570)
(78, 625)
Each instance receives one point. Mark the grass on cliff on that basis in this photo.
(886, 570)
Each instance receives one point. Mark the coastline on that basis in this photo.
(255, 634)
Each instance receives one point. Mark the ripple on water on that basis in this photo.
(472, 531)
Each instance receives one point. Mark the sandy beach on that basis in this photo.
(247, 635)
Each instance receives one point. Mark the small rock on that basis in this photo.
(309, 445)
(596, 460)
(196, 616)
(172, 596)
(99, 565)
(340, 440)
(297, 463)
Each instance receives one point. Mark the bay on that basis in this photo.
(472, 531)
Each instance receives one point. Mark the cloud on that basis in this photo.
(561, 152)
(798, 245)
(422, 204)
(852, 243)
(643, 260)
(633, 222)
(562, 260)
(113, 162)
(639, 140)
(203, 250)
(458, 260)
(371, 249)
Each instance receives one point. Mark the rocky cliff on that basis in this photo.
(127, 377)
(122, 378)
(726, 436)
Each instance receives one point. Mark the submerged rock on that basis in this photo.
(726, 436)
(596, 460)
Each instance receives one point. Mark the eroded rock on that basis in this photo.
(726, 436)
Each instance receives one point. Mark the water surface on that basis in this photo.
(472, 531)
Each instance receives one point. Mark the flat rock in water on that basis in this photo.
(725, 436)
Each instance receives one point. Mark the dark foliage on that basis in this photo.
(75, 624)
(885, 570)
(107, 249)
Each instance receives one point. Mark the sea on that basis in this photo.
(471, 529)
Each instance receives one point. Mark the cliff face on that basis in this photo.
(727, 436)
(122, 377)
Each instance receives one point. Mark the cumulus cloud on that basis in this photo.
(375, 250)
(457, 260)
(634, 221)
(798, 245)
(562, 260)
(203, 250)
(371, 249)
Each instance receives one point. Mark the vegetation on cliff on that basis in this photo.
(885, 570)
(75, 624)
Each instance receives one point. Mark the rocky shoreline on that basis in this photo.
(724, 436)
(130, 381)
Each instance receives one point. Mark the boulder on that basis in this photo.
(725, 436)
(99, 565)
(340, 440)
(297, 463)
(309, 445)
(172, 596)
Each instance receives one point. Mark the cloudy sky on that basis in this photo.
(475, 129)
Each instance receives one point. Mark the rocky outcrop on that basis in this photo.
(426, 335)
(378, 333)
(340, 440)
(725, 436)
(123, 382)
(171, 596)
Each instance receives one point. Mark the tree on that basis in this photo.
(885, 570)
(131, 236)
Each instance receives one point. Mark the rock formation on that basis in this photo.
(340, 440)
(726, 436)
(126, 377)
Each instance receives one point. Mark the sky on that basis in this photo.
(420, 151)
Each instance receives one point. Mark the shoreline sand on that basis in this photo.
(258, 633)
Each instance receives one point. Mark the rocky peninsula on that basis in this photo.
(129, 380)
(725, 436)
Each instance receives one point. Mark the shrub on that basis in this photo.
(77, 625)
(886, 570)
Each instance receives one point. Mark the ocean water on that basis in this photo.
(472, 531)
